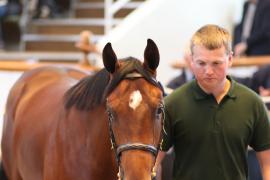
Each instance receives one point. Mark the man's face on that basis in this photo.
(210, 67)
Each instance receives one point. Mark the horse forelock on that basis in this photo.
(92, 91)
(127, 66)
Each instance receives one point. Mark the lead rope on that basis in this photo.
(119, 177)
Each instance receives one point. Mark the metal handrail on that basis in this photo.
(111, 8)
(24, 20)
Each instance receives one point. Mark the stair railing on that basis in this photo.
(24, 20)
(111, 8)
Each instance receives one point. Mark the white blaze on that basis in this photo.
(135, 99)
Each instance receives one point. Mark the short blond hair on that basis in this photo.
(212, 37)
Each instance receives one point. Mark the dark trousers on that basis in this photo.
(2, 173)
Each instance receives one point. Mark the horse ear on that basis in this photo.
(109, 58)
(151, 55)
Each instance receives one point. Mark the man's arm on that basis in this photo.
(264, 160)
(157, 168)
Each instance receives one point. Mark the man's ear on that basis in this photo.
(230, 59)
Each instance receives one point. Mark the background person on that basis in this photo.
(252, 35)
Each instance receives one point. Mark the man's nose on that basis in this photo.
(209, 69)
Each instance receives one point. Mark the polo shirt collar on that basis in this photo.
(231, 93)
(200, 94)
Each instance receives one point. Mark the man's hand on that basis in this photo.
(240, 49)
(264, 91)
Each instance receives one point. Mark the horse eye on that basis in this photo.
(159, 112)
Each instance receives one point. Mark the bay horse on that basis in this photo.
(62, 124)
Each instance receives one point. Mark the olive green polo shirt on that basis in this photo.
(210, 139)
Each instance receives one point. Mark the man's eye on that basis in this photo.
(217, 63)
(201, 63)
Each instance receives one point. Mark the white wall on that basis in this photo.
(7, 79)
(170, 23)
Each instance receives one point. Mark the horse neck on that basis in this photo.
(86, 140)
(85, 127)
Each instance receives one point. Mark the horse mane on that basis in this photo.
(92, 91)
(88, 92)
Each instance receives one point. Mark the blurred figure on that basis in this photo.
(86, 45)
(261, 79)
(264, 92)
(185, 75)
(3, 12)
(252, 35)
(7, 8)
(45, 9)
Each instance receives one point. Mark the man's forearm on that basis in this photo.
(264, 160)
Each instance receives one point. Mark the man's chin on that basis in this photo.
(208, 88)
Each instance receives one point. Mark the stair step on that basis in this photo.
(96, 10)
(93, 5)
(91, 0)
(52, 38)
(42, 56)
(49, 46)
(70, 21)
(34, 42)
(60, 35)
(74, 38)
(99, 13)
(104, 0)
(68, 26)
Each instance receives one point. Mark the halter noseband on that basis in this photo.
(139, 146)
(131, 146)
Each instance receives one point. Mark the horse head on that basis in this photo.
(134, 101)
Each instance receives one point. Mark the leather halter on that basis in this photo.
(118, 149)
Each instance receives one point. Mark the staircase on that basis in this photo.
(60, 35)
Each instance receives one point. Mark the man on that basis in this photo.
(45, 9)
(252, 35)
(210, 121)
